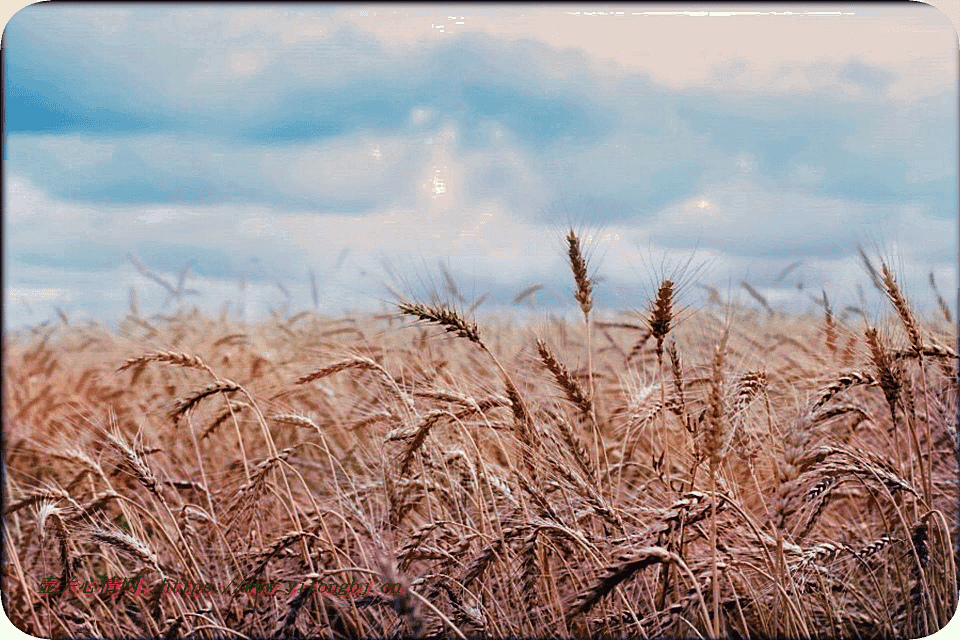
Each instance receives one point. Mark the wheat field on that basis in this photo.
(663, 472)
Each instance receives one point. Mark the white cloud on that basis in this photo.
(420, 117)
(428, 188)
(745, 218)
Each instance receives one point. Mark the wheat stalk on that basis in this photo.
(716, 431)
(584, 296)
(676, 370)
(715, 449)
(626, 565)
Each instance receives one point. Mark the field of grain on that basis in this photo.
(670, 471)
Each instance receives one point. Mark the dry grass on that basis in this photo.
(783, 475)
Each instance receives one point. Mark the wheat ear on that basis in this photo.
(419, 438)
(756, 295)
(844, 381)
(137, 465)
(578, 263)
(944, 307)
(830, 328)
(874, 276)
(361, 363)
(888, 376)
(184, 405)
(903, 309)
(571, 388)
(662, 316)
(49, 511)
(169, 357)
(626, 565)
(449, 319)
(452, 322)
(578, 450)
(131, 546)
(638, 347)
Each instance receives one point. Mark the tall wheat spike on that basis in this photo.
(583, 294)
(578, 263)
(661, 316)
(902, 307)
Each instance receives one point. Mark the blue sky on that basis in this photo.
(370, 143)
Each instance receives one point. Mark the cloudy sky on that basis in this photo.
(377, 147)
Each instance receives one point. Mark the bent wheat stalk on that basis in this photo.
(627, 564)
(169, 357)
(453, 322)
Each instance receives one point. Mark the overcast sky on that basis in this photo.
(371, 144)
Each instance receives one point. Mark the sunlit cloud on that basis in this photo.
(260, 142)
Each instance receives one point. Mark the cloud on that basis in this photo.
(872, 79)
(207, 106)
(790, 224)
(341, 175)
(265, 141)
(485, 247)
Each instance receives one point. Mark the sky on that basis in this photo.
(231, 152)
